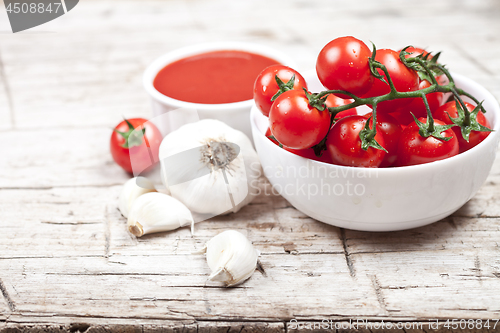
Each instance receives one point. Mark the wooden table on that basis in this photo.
(67, 262)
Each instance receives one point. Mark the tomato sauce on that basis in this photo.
(212, 78)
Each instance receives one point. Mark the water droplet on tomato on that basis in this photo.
(351, 64)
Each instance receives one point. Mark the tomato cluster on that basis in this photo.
(305, 123)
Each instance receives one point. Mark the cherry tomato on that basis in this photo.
(415, 149)
(416, 51)
(391, 131)
(344, 144)
(135, 150)
(333, 101)
(265, 86)
(343, 64)
(307, 153)
(417, 106)
(475, 137)
(294, 123)
(404, 80)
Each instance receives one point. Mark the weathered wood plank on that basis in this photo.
(56, 222)
(269, 222)
(63, 157)
(160, 327)
(453, 234)
(150, 287)
(426, 285)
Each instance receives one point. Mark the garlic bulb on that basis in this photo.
(210, 167)
(156, 212)
(132, 189)
(231, 257)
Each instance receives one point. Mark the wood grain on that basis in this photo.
(67, 262)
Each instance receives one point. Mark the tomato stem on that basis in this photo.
(283, 86)
(133, 137)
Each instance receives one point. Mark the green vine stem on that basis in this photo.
(427, 69)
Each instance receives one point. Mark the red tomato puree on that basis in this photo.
(213, 77)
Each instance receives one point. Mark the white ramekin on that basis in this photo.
(235, 115)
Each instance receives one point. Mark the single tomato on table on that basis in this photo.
(343, 65)
(475, 137)
(415, 149)
(266, 87)
(294, 123)
(135, 145)
(344, 144)
(404, 79)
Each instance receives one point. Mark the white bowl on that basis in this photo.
(234, 114)
(384, 199)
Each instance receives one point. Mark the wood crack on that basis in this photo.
(378, 292)
(107, 235)
(477, 268)
(6, 295)
(347, 255)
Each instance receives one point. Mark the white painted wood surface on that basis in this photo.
(66, 260)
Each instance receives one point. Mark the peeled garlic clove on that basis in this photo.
(231, 257)
(132, 189)
(157, 212)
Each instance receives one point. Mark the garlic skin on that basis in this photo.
(132, 189)
(231, 258)
(210, 167)
(157, 212)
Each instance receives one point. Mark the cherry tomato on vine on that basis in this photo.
(334, 101)
(265, 86)
(307, 153)
(294, 123)
(135, 145)
(414, 149)
(416, 51)
(391, 131)
(417, 106)
(343, 64)
(475, 137)
(404, 80)
(344, 144)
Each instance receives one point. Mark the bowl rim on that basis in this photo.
(180, 53)
(411, 168)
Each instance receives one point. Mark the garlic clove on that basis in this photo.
(231, 258)
(156, 212)
(132, 189)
